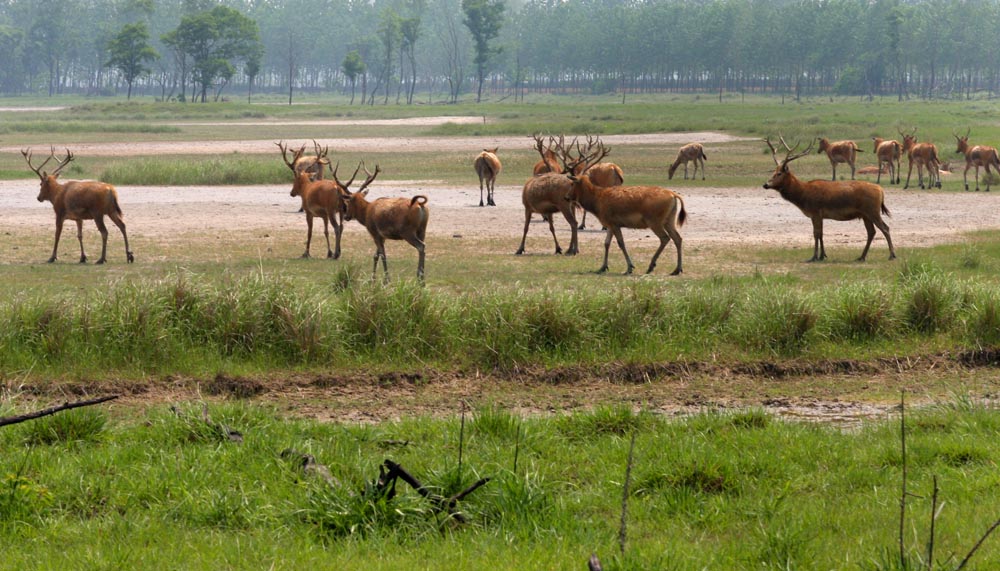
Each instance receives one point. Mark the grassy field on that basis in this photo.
(136, 485)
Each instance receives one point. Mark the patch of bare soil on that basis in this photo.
(837, 392)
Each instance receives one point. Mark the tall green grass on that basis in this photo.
(189, 324)
(188, 171)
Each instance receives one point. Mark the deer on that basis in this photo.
(830, 200)
(601, 174)
(978, 156)
(839, 152)
(691, 152)
(924, 155)
(78, 201)
(315, 166)
(388, 219)
(549, 162)
(659, 209)
(888, 152)
(320, 198)
(487, 166)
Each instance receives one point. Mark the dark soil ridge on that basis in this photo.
(223, 385)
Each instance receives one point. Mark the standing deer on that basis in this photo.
(79, 201)
(888, 152)
(315, 166)
(487, 167)
(691, 152)
(839, 152)
(549, 161)
(388, 219)
(617, 207)
(600, 174)
(820, 199)
(978, 156)
(320, 198)
(924, 155)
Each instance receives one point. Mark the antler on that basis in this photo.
(371, 176)
(321, 152)
(591, 155)
(295, 156)
(26, 153)
(790, 155)
(69, 157)
(335, 179)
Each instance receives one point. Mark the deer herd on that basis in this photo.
(569, 176)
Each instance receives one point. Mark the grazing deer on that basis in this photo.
(388, 219)
(820, 199)
(315, 166)
(839, 152)
(888, 152)
(924, 155)
(79, 200)
(320, 198)
(978, 156)
(691, 152)
(617, 207)
(487, 167)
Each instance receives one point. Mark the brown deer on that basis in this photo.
(924, 155)
(820, 199)
(315, 166)
(978, 156)
(839, 152)
(388, 219)
(601, 174)
(320, 198)
(545, 194)
(617, 207)
(691, 152)
(549, 161)
(487, 167)
(78, 201)
(888, 152)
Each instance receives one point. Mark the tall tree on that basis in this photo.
(353, 66)
(484, 19)
(129, 51)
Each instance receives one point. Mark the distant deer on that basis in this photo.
(549, 161)
(79, 201)
(691, 152)
(487, 167)
(924, 155)
(313, 165)
(820, 199)
(320, 198)
(617, 207)
(978, 156)
(388, 219)
(839, 152)
(888, 152)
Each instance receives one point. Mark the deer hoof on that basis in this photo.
(51, 260)
(628, 272)
(677, 272)
(99, 262)
(559, 251)
(305, 256)
(481, 204)
(129, 257)
(83, 259)
(519, 252)
(602, 270)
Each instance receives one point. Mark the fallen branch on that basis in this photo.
(390, 471)
(53, 410)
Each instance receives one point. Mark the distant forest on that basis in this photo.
(408, 51)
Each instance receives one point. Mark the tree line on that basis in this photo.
(404, 51)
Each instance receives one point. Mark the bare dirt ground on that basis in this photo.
(717, 216)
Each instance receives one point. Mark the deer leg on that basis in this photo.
(852, 169)
(702, 161)
(685, 170)
(524, 238)
(878, 179)
(491, 187)
(920, 174)
(965, 176)
(870, 228)
(103, 229)
(419, 245)
(583, 221)
(899, 175)
(480, 190)
(937, 174)
(309, 233)
(834, 165)
(819, 251)
(574, 246)
(664, 240)
(552, 229)
(908, 174)
(621, 244)
(79, 237)
(55, 247)
(338, 230)
(121, 226)
(884, 228)
(326, 234)
(977, 178)
(607, 247)
(671, 228)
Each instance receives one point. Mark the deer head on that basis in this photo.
(351, 200)
(963, 142)
(781, 173)
(49, 185)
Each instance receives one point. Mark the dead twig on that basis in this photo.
(50, 411)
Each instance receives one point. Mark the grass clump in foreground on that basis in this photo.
(188, 324)
(719, 491)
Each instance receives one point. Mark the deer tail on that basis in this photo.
(884, 209)
(114, 203)
(418, 200)
(683, 214)
(704, 156)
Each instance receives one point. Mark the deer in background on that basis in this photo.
(79, 201)
(839, 152)
(601, 174)
(888, 152)
(487, 166)
(691, 152)
(315, 166)
(320, 198)
(617, 207)
(549, 162)
(924, 155)
(821, 199)
(978, 156)
(388, 219)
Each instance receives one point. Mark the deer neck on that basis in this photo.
(57, 192)
(792, 189)
(361, 205)
(586, 193)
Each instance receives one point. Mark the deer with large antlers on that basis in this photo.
(549, 162)
(839, 152)
(315, 165)
(830, 200)
(388, 219)
(691, 152)
(79, 201)
(978, 156)
(659, 209)
(320, 198)
(888, 152)
(487, 166)
(924, 155)
(601, 174)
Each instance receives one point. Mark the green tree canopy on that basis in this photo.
(484, 18)
(129, 51)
